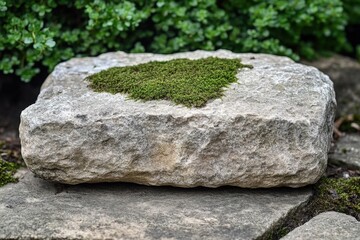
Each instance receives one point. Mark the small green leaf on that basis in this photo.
(28, 40)
(50, 43)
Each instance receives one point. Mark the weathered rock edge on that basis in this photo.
(272, 128)
(36, 209)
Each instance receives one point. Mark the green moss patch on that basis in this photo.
(7, 171)
(10, 161)
(188, 82)
(330, 194)
(341, 195)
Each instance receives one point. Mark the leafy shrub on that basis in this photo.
(43, 33)
(352, 9)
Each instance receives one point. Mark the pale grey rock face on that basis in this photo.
(272, 128)
(347, 151)
(327, 226)
(37, 209)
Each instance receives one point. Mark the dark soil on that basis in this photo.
(14, 97)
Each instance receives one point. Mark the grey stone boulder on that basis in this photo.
(271, 128)
(347, 151)
(327, 226)
(37, 209)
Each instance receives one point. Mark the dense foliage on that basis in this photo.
(183, 81)
(43, 33)
(352, 9)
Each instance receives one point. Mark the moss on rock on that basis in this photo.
(7, 171)
(330, 194)
(188, 82)
(341, 195)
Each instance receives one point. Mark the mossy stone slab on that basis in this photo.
(272, 127)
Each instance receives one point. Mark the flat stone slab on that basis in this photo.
(327, 226)
(34, 208)
(271, 128)
(347, 151)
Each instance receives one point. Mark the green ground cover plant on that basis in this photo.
(38, 35)
(342, 195)
(330, 194)
(10, 162)
(188, 82)
(7, 171)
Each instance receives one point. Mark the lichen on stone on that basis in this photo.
(188, 82)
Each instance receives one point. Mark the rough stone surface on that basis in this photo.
(345, 73)
(37, 209)
(272, 128)
(347, 151)
(327, 226)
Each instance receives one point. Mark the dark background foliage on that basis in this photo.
(36, 35)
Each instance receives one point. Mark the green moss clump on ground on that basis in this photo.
(330, 194)
(341, 195)
(7, 171)
(183, 81)
(10, 161)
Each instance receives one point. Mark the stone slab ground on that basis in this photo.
(34, 208)
(327, 226)
(347, 151)
(271, 128)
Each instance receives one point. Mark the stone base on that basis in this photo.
(34, 208)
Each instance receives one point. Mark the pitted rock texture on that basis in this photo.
(271, 128)
(37, 209)
(327, 226)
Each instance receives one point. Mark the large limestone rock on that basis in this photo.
(272, 128)
(36, 209)
(327, 226)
